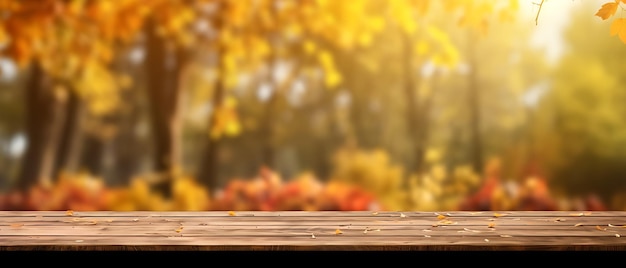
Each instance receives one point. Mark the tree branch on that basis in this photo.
(538, 11)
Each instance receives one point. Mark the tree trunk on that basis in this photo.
(44, 121)
(68, 154)
(208, 172)
(268, 120)
(93, 153)
(474, 107)
(411, 80)
(163, 65)
(127, 146)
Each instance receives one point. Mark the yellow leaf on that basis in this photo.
(179, 229)
(441, 217)
(231, 213)
(618, 27)
(491, 225)
(338, 232)
(600, 228)
(607, 10)
(69, 212)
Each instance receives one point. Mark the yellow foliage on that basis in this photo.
(309, 47)
(608, 9)
(439, 189)
(189, 195)
(373, 171)
(618, 27)
(226, 121)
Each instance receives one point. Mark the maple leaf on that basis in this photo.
(618, 27)
(607, 10)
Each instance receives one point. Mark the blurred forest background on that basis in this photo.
(311, 105)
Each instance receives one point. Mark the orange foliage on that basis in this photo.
(267, 192)
(76, 193)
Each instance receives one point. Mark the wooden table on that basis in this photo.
(312, 231)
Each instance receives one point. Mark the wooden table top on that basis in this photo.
(313, 230)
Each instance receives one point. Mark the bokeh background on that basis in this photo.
(311, 105)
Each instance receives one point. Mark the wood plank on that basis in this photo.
(312, 230)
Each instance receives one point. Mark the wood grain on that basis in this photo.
(312, 230)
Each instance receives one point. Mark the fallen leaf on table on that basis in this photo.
(491, 225)
(69, 212)
(600, 228)
(338, 232)
(441, 217)
(578, 224)
(231, 213)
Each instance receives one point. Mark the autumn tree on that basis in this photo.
(39, 36)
